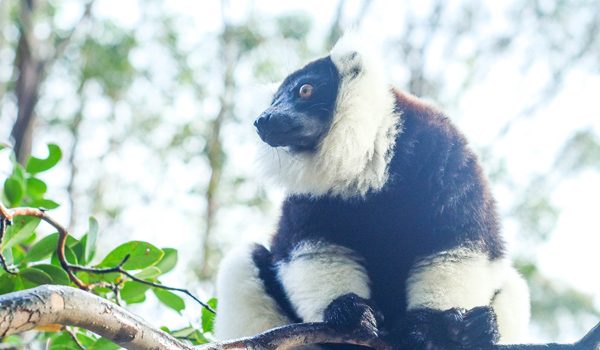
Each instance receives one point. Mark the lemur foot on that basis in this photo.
(456, 328)
(479, 328)
(350, 312)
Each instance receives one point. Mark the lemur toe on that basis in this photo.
(350, 312)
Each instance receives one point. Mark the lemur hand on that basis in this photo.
(350, 312)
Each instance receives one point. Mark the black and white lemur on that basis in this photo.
(389, 226)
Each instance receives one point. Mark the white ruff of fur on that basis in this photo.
(353, 158)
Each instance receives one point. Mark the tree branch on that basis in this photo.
(45, 305)
(294, 335)
(24, 310)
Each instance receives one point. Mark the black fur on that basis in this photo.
(266, 272)
(450, 329)
(436, 199)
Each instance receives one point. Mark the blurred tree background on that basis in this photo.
(152, 102)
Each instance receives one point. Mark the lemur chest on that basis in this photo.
(349, 223)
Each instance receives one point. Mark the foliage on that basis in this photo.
(32, 261)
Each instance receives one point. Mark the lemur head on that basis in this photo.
(302, 109)
(332, 125)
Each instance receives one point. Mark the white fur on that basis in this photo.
(459, 278)
(466, 279)
(512, 309)
(244, 309)
(353, 157)
(317, 274)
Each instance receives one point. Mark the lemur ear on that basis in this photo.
(353, 54)
(352, 64)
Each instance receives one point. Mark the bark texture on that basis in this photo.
(22, 311)
(46, 305)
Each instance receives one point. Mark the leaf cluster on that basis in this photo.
(31, 259)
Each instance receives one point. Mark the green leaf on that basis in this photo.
(45, 204)
(19, 283)
(37, 165)
(141, 255)
(69, 255)
(36, 188)
(62, 341)
(103, 344)
(79, 249)
(19, 231)
(43, 248)
(85, 339)
(148, 273)
(169, 299)
(168, 261)
(90, 242)
(13, 189)
(8, 256)
(19, 173)
(190, 333)
(134, 292)
(35, 276)
(184, 332)
(58, 275)
(208, 318)
(18, 254)
(7, 283)
(14, 339)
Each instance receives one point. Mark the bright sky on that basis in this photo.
(530, 147)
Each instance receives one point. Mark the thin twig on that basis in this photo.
(119, 269)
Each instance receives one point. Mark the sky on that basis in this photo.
(529, 148)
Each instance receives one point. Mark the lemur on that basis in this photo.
(389, 226)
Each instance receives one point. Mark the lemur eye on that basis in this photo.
(305, 91)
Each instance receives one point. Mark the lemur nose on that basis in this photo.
(262, 120)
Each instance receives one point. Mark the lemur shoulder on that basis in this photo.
(389, 225)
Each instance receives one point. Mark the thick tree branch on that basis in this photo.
(294, 335)
(45, 305)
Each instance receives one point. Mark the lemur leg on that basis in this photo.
(512, 308)
(244, 307)
(326, 282)
(453, 291)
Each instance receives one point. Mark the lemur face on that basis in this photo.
(302, 109)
